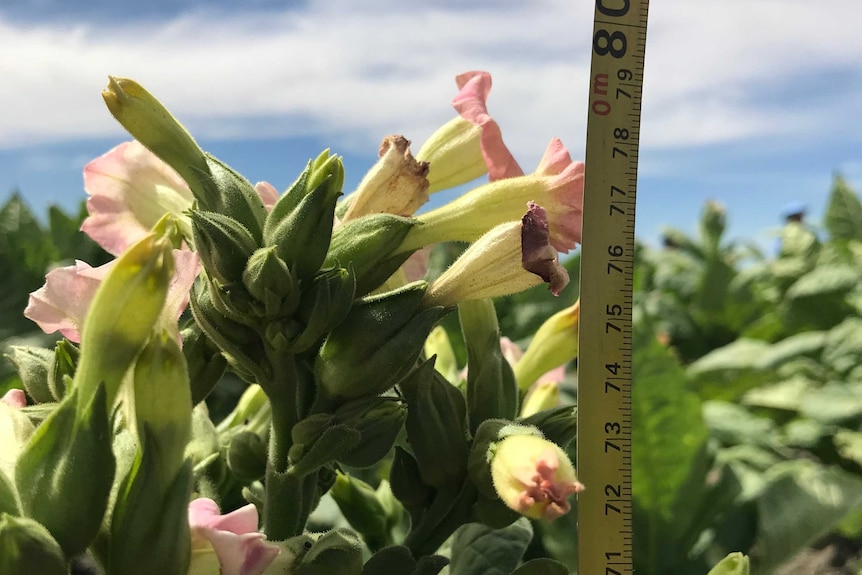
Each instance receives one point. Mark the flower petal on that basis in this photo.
(470, 103)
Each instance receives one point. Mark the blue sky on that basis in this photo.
(754, 103)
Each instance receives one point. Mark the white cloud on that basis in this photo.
(360, 72)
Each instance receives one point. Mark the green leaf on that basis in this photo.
(480, 550)
(833, 403)
(729, 371)
(542, 566)
(843, 350)
(801, 502)
(843, 219)
(733, 424)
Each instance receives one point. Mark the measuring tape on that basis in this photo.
(607, 271)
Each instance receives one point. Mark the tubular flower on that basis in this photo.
(470, 145)
(533, 476)
(396, 184)
(62, 303)
(130, 190)
(557, 185)
(234, 539)
(555, 344)
(510, 258)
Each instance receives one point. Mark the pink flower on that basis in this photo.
(470, 103)
(470, 145)
(14, 398)
(62, 303)
(241, 549)
(130, 190)
(534, 476)
(267, 193)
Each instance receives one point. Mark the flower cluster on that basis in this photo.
(317, 303)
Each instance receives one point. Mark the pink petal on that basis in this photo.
(61, 304)
(130, 189)
(267, 193)
(416, 265)
(186, 268)
(511, 350)
(470, 103)
(565, 179)
(14, 398)
(204, 512)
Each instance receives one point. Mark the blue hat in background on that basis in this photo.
(793, 209)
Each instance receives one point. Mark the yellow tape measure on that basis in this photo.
(607, 270)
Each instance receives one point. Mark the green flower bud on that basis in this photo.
(269, 281)
(302, 236)
(163, 405)
(33, 365)
(205, 362)
(337, 551)
(149, 122)
(240, 345)
(379, 421)
(362, 509)
(63, 367)
(554, 344)
(491, 389)
(559, 424)
(311, 428)
(224, 245)
(246, 456)
(438, 344)
(8, 495)
(149, 524)
(376, 345)
(436, 426)
(121, 317)
(27, 547)
(326, 167)
(251, 412)
(237, 197)
(407, 484)
(65, 473)
(733, 564)
(323, 305)
(368, 244)
(334, 442)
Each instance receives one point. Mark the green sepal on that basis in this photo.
(376, 345)
(237, 197)
(65, 473)
(559, 424)
(491, 389)
(311, 428)
(246, 456)
(368, 243)
(337, 551)
(494, 513)
(407, 484)
(63, 366)
(26, 547)
(223, 244)
(436, 426)
(478, 465)
(149, 525)
(33, 366)
(379, 421)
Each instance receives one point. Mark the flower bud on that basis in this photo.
(253, 404)
(543, 395)
(362, 509)
(558, 424)
(436, 426)
(63, 367)
(396, 184)
(301, 235)
(376, 344)
(368, 244)
(555, 344)
(237, 198)
(269, 281)
(379, 422)
(246, 456)
(65, 473)
(407, 484)
(733, 564)
(27, 547)
(145, 118)
(163, 406)
(224, 245)
(333, 443)
(336, 551)
(438, 344)
(205, 362)
(33, 365)
(15, 429)
(532, 475)
(126, 306)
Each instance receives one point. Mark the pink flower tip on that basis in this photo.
(14, 398)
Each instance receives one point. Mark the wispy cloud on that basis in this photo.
(359, 71)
